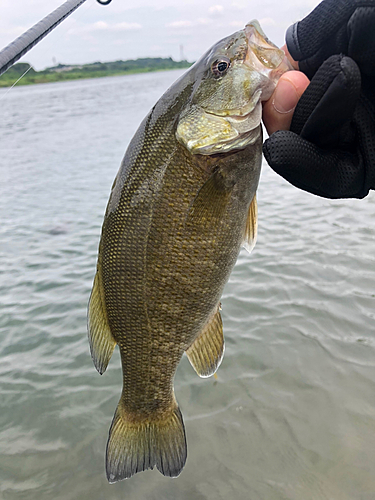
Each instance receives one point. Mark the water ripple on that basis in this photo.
(291, 415)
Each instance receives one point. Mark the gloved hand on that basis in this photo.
(330, 148)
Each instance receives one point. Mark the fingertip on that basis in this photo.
(298, 79)
(278, 110)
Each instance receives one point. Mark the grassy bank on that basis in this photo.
(95, 70)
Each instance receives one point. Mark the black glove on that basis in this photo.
(330, 148)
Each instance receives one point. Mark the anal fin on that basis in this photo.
(251, 229)
(102, 343)
(207, 351)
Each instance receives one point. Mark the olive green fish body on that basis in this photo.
(163, 276)
(182, 204)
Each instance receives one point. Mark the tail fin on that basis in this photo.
(137, 446)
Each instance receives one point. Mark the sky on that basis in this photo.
(143, 28)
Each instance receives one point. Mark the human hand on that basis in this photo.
(330, 148)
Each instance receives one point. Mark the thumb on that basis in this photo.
(278, 110)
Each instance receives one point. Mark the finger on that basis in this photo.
(327, 173)
(278, 110)
(329, 102)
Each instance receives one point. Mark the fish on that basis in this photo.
(181, 206)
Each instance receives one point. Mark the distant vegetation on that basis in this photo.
(64, 72)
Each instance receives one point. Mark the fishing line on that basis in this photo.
(15, 83)
(19, 47)
(83, 12)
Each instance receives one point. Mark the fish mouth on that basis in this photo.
(262, 54)
(264, 57)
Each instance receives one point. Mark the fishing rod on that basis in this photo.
(21, 45)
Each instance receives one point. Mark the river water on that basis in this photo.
(292, 413)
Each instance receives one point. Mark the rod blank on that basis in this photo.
(31, 37)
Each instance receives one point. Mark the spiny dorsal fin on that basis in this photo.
(251, 229)
(207, 351)
(102, 343)
(134, 446)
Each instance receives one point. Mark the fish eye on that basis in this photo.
(220, 66)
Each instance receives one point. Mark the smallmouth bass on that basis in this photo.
(181, 206)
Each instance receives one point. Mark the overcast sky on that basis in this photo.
(143, 28)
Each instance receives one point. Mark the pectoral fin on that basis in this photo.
(251, 229)
(207, 351)
(102, 343)
(211, 201)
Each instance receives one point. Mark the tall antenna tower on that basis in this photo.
(182, 55)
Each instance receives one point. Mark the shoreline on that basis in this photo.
(63, 73)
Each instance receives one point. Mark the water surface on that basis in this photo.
(292, 415)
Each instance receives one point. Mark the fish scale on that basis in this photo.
(181, 206)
